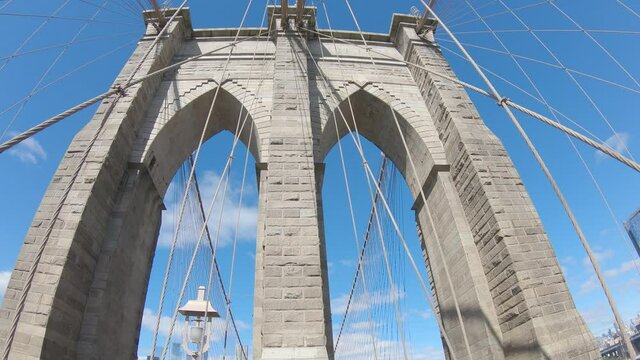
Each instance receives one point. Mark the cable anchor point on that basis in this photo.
(503, 101)
(120, 90)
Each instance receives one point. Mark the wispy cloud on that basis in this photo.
(226, 225)
(601, 256)
(589, 285)
(339, 304)
(28, 151)
(358, 345)
(624, 268)
(149, 319)
(4, 281)
(618, 142)
(598, 317)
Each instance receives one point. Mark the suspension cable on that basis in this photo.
(359, 267)
(595, 41)
(598, 146)
(392, 288)
(49, 17)
(34, 32)
(50, 68)
(115, 90)
(575, 81)
(202, 214)
(62, 200)
(387, 208)
(571, 141)
(424, 199)
(628, 8)
(555, 66)
(367, 298)
(549, 176)
(242, 186)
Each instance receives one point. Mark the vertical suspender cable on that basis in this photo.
(549, 176)
(367, 297)
(544, 101)
(419, 184)
(191, 174)
(58, 209)
(423, 285)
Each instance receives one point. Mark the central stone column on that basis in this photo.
(292, 308)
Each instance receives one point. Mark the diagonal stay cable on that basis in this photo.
(367, 297)
(56, 213)
(575, 81)
(69, 43)
(596, 42)
(50, 68)
(551, 179)
(598, 146)
(183, 203)
(244, 174)
(69, 73)
(202, 214)
(34, 32)
(628, 8)
(540, 96)
(368, 170)
(519, 88)
(556, 66)
(107, 9)
(503, 12)
(115, 90)
(367, 234)
(68, 18)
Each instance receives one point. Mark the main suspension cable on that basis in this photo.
(598, 146)
(387, 208)
(36, 260)
(115, 90)
(549, 176)
(419, 184)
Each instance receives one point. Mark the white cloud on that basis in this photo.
(589, 285)
(28, 151)
(227, 224)
(4, 281)
(339, 304)
(624, 268)
(618, 142)
(149, 319)
(358, 345)
(598, 317)
(601, 256)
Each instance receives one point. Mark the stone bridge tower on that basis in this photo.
(86, 300)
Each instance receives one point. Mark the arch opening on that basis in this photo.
(376, 301)
(375, 122)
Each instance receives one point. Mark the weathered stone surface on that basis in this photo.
(88, 293)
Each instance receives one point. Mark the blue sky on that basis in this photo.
(612, 86)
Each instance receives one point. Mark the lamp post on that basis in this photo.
(198, 314)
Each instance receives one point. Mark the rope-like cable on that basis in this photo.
(549, 176)
(598, 146)
(419, 184)
(50, 68)
(209, 116)
(367, 297)
(386, 205)
(34, 32)
(117, 89)
(361, 254)
(571, 141)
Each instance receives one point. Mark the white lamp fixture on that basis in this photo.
(198, 314)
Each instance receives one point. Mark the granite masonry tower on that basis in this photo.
(86, 300)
